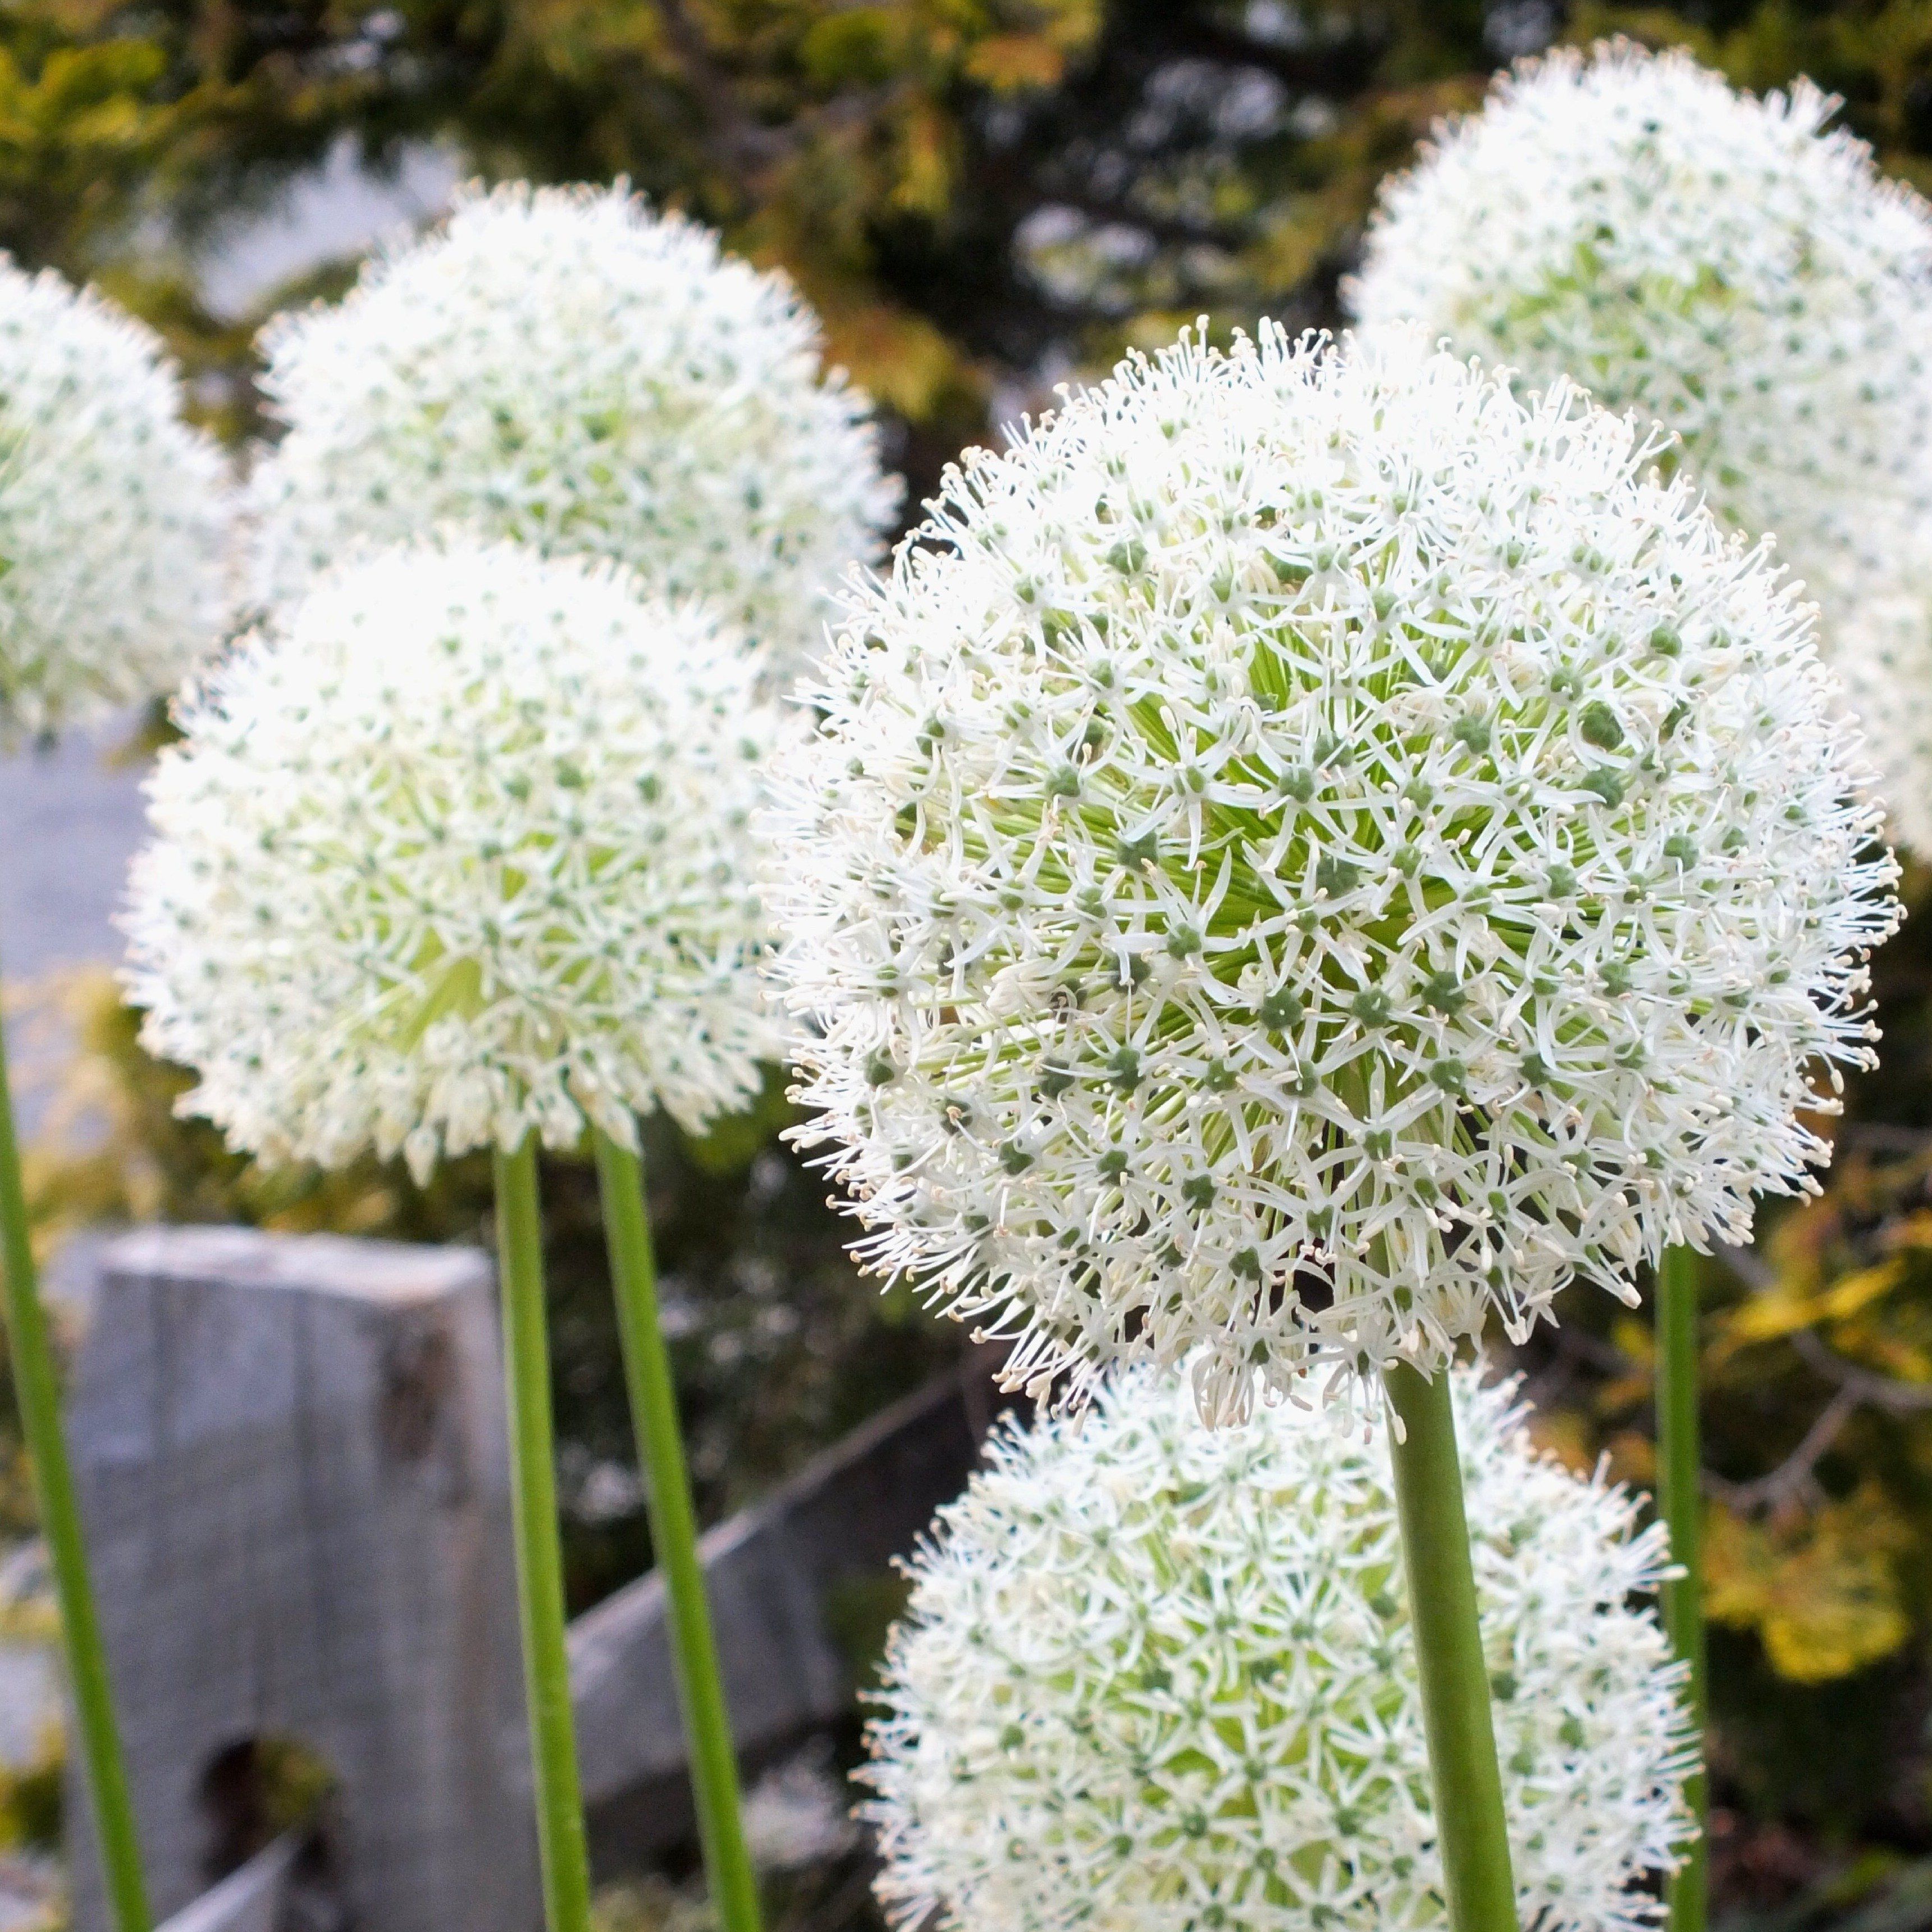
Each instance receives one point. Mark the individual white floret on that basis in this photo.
(567, 367)
(113, 512)
(1310, 849)
(1154, 1677)
(1722, 265)
(457, 851)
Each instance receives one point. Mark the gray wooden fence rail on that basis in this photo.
(290, 1455)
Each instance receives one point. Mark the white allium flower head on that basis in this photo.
(1308, 848)
(1881, 652)
(113, 511)
(1725, 265)
(1154, 1677)
(459, 850)
(567, 367)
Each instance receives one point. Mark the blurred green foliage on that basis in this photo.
(985, 197)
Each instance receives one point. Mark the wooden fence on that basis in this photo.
(291, 1459)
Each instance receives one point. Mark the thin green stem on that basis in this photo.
(560, 1839)
(38, 1394)
(1679, 1467)
(707, 1721)
(1469, 1821)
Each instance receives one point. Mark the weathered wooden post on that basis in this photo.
(290, 1456)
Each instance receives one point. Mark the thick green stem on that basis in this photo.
(707, 1722)
(1679, 1466)
(38, 1395)
(1469, 1821)
(560, 1841)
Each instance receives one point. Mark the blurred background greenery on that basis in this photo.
(985, 198)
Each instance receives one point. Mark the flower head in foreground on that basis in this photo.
(1719, 264)
(564, 366)
(1155, 1677)
(1312, 848)
(113, 511)
(458, 851)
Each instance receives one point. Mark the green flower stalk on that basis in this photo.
(653, 1395)
(1452, 1673)
(457, 855)
(563, 1855)
(38, 1392)
(1680, 1473)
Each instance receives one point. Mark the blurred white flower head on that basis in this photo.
(459, 850)
(567, 367)
(1881, 652)
(1722, 265)
(1153, 1676)
(113, 512)
(1308, 849)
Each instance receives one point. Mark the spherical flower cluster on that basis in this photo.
(457, 851)
(1311, 848)
(565, 367)
(112, 512)
(1722, 265)
(1155, 1677)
